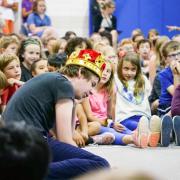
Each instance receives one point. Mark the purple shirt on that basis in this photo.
(175, 105)
(27, 4)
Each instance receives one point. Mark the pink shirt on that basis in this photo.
(99, 102)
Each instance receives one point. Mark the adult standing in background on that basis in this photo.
(106, 21)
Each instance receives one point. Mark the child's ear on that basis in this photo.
(33, 73)
(79, 73)
(2, 50)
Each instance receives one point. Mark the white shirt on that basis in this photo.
(8, 13)
(127, 104)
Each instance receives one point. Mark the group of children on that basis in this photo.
(117, 111)
(135, 101)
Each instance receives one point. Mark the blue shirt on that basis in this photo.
(35, 19)
(166, 79)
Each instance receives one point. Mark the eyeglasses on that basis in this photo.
(174, 55)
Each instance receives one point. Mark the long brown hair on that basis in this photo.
(134, 59)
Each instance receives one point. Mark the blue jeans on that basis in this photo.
(69, 161)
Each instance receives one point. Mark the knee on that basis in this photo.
(95, 126)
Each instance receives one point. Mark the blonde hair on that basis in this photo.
(152, 31)
(5, 41)
(125, 41)
(160, 42)
(5, 59)
(170, 47)
(55, 46)
(3, 80)
(134, 59)
(107, 4)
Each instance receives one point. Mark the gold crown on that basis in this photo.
(88, 58)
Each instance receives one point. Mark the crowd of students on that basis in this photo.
(76, 91)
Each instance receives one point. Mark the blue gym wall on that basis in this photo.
(146, 14)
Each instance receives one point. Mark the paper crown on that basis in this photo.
(88, 58)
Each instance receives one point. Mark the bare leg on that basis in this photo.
(93, 128)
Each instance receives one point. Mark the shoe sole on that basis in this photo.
(105, 139)
(166, 128)
(143, 132)
(176, 127)
(155, 124)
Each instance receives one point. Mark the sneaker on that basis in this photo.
(104, 139)
(155, 128)
(176, 127)
(166, 128)
(141, 134)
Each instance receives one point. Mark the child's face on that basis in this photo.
(129, 71)
(96, 38)
(52, 68)
(50, 44)
(144, 50)
(41, 7)
(12, 49)
(80, 46)
(106, 74)
(41, 67)
(128, 48)
(31, 54)
(112, 57)
(173, 56)
(13, 70)
(105, 41)
(153, 36)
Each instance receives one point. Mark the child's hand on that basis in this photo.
(155, 105)
(84, 135)
(78, 139)
(118, 127)
(13, 81)
(175, 67)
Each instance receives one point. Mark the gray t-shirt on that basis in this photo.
(35, 101)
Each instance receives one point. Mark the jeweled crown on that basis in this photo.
(88, 58)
